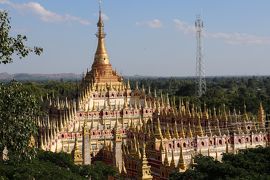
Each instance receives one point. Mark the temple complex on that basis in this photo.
(145, 135)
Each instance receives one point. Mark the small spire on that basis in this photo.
(128, 85)
(182, 133)
(261, 115)
(172, 161)
(62, 147)
(216, 158)
(168, 135)
(56, 146)
(68, 148)
(190, 131)
(145, 168)
(181, 162)
(166, 161)
(158, 133)
(137, 86)
(149, 90)
(145, 102)
(176, 130)
(124, 170)
(161, 146)
(199, 130)
(227, 146)
(167, 101)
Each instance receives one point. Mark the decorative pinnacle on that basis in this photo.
(101, 56)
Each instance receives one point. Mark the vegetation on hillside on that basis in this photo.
(19, 108)
(234, 92)
(49, 165)
(248, 164)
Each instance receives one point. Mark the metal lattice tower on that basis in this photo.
(200, 71)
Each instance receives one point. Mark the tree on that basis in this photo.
(99, 170)
(50, 165)
(248, 164)
(18, 111)
(12, 45)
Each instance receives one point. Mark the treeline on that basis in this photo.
(247, 164)
(49, 165)
(234, 92)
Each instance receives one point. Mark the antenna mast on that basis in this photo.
(200, 71)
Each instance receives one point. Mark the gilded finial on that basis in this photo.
(172, 161)
(168, 135)
(166, 161)
(181, 162)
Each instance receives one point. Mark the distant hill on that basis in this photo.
(39, 77)
(73, 77)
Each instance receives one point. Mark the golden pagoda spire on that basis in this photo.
(101, 56)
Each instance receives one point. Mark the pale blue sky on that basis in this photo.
(144, 37)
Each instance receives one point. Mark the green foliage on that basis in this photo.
(61, 89)
(101, 171)
(248, 164)
(18, 110)
(12, 45)
(234, 92)
(49, 165)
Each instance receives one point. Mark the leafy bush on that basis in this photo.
(49, 165)
(248, 164)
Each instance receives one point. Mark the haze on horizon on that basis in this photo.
(153, 38)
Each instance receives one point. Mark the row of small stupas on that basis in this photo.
(143, 135)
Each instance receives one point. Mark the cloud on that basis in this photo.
(3, 1)
(155, 23)
(240, 38)
(44, 14)
(229, 38)
(184, 27)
